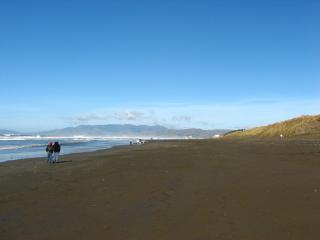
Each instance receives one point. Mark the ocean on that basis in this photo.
(21, 147)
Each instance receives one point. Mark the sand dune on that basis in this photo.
(300, 126)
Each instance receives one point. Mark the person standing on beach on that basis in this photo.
(56, 152)
(49, 151)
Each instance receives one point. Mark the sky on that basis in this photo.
(205, 64)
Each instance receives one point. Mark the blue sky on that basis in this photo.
(208, 64)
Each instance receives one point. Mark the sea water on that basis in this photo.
(20, 147)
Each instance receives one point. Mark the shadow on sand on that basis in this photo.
(63, 162)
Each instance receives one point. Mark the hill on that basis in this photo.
(300, 126)
(128, 130)
(5, 132)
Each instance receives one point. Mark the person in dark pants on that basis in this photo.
(56, 152)
(49, 150)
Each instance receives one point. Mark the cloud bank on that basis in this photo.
(227, 115)
(231, 115)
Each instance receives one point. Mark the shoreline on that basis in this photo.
(87, 150)
(97, 150)
(62, 155)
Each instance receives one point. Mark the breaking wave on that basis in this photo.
(21, 146)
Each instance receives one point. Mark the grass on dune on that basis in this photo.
(304, 125)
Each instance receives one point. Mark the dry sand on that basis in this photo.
(209, 189)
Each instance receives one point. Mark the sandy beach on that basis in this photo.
(199, 189)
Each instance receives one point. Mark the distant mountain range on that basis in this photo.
(128, 130)
(5, 132)
(300, 126)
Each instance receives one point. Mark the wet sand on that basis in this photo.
(208, 189)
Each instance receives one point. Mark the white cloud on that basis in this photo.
(86, 118)
(128, 115)
(182, 118)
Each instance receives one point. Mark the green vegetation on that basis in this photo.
(304, 125)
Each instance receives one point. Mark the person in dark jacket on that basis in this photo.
(49, 150)
(56, 152)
